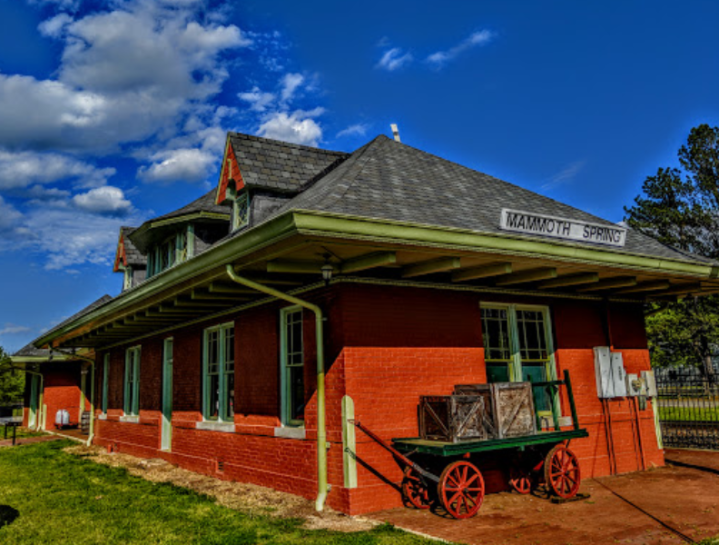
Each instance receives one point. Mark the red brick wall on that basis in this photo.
(385, 346)
(403, 343)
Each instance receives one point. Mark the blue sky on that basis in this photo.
(114, 111)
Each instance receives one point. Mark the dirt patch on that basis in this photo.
(645, 508)
(248, 498)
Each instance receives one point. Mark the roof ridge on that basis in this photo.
(360, 161)
(234, 134)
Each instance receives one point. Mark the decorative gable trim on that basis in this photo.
(120, 255)
(230, 177)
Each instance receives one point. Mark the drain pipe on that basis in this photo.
(91, 431)
(322, 487)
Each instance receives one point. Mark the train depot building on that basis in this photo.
(312, 289)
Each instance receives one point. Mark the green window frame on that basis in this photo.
(105, 381)
(167, 370)
(518, 347)
(292, 364)
(218, 372)
(132, 381)
(241, 211)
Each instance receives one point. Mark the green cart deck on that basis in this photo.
(440, 448)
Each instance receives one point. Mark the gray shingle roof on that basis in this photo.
(132, 254)
(279, 166)
(29, 350)
(389, 180)
(206, 203)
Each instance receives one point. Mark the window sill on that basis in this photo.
(227, 427)
(102, 417)
(130, 419)
(290, 433)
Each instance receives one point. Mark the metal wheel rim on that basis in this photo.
(520, 480)
(461, 489)
(562, 473)
(413, 490)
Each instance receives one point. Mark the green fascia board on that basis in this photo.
(375, 230)
(320, 224)
(189, 217)
(228, 251)
(37, 359)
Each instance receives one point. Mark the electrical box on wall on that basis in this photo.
(650, 383)
(635, 386)
(619, 375)
(610, 374)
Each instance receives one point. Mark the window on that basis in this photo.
(166, 254)
(219, 373)
(241, 211)
(518, 346)
(132, 381)
(105, 381)
(292, 367)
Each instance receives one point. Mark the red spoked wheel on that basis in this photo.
(520, 479)
(461, 489)
(414, 491)
(561, 472)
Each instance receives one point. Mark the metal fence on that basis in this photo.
(688, 403)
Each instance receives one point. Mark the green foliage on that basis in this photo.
(12, 381)
(54, 497)
(680, 207)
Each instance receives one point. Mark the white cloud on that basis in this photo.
(358, 129)
(126, 75)
(297, 127)
(54, 27)
(564, 176)
(103, 200)
(8, 215)
(12, 329)
(22, 169)
(258, 100)
(394, 59)
(179, 165)
(66, 236)
(440, 58)
(290, 84)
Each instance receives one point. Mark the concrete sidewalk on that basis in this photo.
(651, 507)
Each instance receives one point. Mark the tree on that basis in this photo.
(680, 207)
(12, 381)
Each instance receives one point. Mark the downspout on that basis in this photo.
(321, 431)
(91, 433)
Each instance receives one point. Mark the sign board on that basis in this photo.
(552, 226)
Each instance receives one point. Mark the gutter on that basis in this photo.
(322, 488)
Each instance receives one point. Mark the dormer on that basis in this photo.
(129, 261)
(180, 235)
(259, 175)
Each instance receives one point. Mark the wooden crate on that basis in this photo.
(489, 420)
(452, 418)
(513, 405)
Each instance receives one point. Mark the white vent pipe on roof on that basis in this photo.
(395, 132)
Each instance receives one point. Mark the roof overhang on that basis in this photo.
(154, 231)
(288, 251)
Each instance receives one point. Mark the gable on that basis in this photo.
(120, 254)
(230, 176)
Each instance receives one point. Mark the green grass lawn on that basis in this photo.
(20, 433)
(49, 496)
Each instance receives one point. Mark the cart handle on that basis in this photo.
(397, 454)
